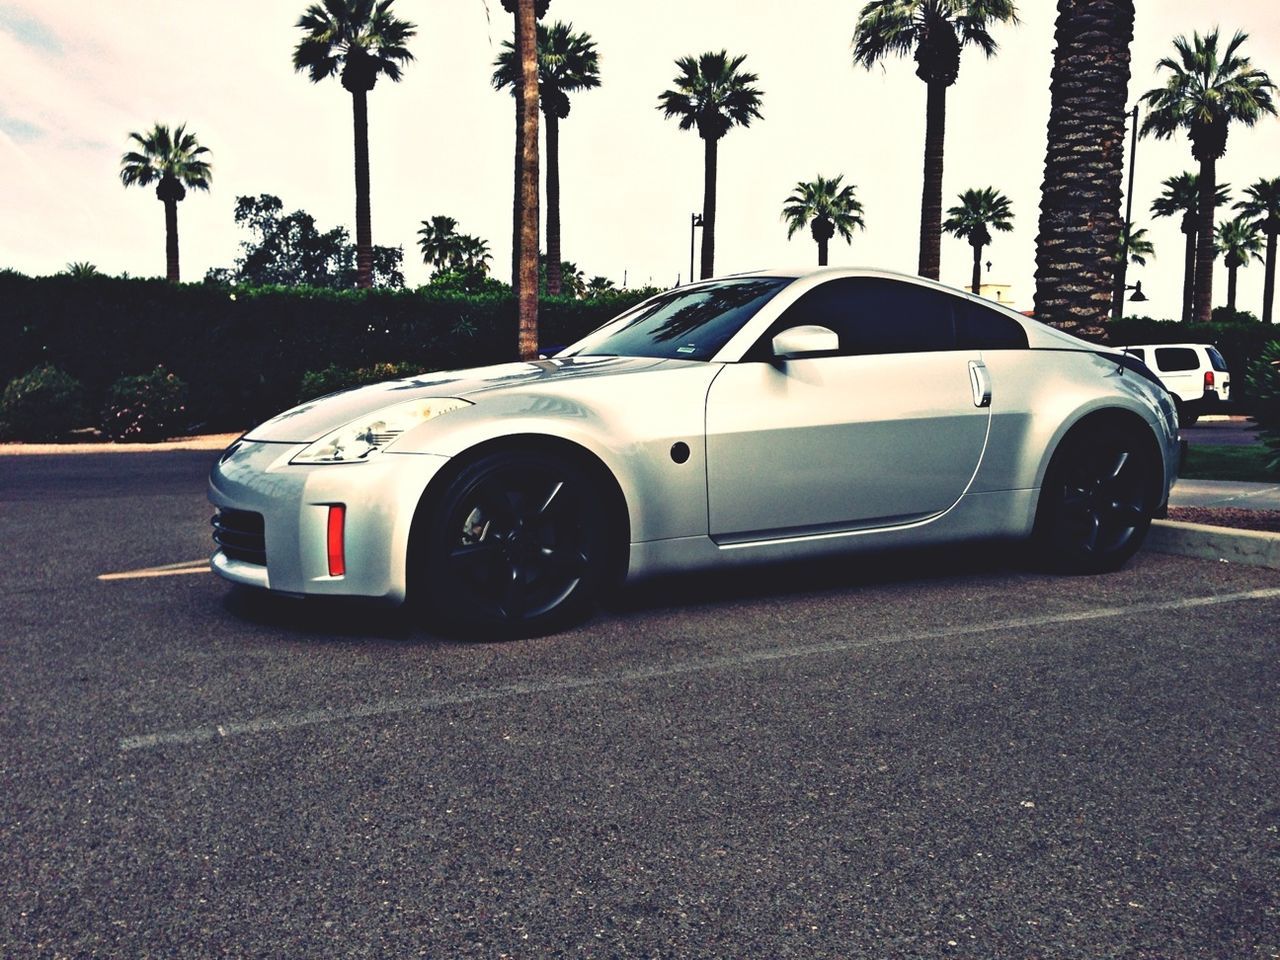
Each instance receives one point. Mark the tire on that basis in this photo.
(518, 545)
(1097, 501)
(1187, 415)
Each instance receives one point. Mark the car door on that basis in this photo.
(1179, 370)
(888, 429)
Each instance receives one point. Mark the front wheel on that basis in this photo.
(517, 545)
(1097, 500)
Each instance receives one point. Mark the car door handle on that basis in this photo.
(980, 380)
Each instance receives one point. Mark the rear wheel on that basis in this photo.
(1097, 500)
(517, 545)
(1187, 415)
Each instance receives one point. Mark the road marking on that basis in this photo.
(379, 708)
(166, 570)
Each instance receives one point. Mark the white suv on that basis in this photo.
(1194, 373)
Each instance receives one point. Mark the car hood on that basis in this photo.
(314, 419)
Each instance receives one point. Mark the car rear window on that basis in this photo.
(1174, 359)
(1215, 358)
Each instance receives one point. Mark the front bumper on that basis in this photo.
(380, 495)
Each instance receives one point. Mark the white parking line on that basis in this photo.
(166, 570)
(326, 715)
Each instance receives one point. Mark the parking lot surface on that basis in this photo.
(925, 755)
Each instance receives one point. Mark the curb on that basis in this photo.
(1253, 548)
(209, 442)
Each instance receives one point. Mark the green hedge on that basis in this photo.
(244, 352)
(1239, 343)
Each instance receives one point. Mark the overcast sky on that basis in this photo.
(78, 75)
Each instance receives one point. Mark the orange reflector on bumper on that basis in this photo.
(337, 546)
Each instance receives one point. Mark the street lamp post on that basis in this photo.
(1122, 269)
(695, 221)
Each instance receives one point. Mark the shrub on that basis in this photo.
(42, 404)
(148, 407)
(1264, 388)
(318, 383)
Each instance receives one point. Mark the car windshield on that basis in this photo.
(688, 323)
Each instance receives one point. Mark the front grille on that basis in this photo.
(241, 535)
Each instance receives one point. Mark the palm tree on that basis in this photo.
(1239, 242)
(1262, 205)
(439, 241)
(524, 252)
(827, 207)
(712, 95)
(599, 285)
(933, 32)
(365, 41)
(1134, 246)
(978, 213)
(1205, 92)
(567, 63)
(1181, 197)
(1080, 221)
(473, 255)
(1137, 246)
(173, 161)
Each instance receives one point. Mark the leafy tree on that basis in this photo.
(933, 32)
(978, 213)
(81, 269)
(1264, 394)
(173, 161)
(1239, 242)
(567, 63)
(1207, 90)
(712, 95)
(289, 250)
(1181, 198)
(1262, 205)
(364, 41)
(1080, 222)
(827, 207)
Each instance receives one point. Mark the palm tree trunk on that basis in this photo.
(364, 239)
(171, 240)
(515, 192)
(553, 205)
(1080, 219)
(1269, 281)
(1203, 308)
(709, 210)
(976, 285)
(823, 243)
(527, 295)
(935, 128)
(1189, 275)
(1231, 287)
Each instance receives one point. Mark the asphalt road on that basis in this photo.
(936, 755)
(1222, 433)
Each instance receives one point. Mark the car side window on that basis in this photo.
(980, 328)
(1174, 359)
(877, 316)
(874, 316)
(1136, 352)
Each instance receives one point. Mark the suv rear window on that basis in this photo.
(1215, 358)
(1173, 359)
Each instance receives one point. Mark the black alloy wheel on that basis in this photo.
(517, 547)
(1097, 501)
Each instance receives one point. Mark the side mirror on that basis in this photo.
(809, 340)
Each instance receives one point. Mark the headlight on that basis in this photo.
(376, 431)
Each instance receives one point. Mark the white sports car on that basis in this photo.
(761, 417)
